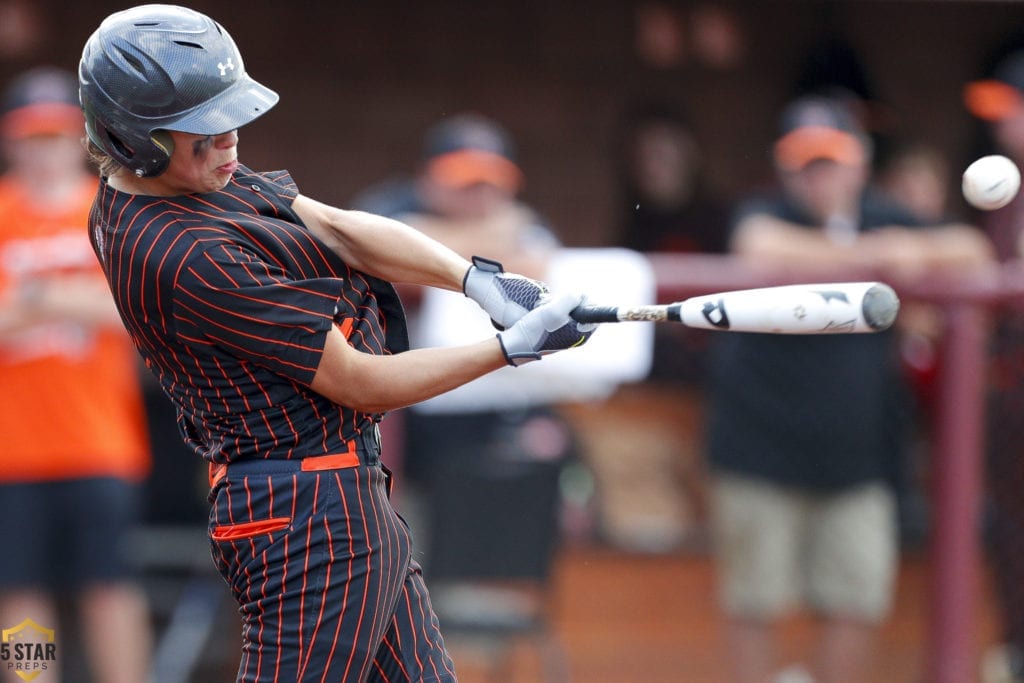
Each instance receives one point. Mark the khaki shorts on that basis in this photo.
(782, 548)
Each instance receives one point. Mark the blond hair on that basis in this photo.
(105, 163)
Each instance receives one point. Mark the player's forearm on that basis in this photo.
(381, 383)
(397, 252)
(383, 247)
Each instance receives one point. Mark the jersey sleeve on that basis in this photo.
(283, 183)
(280, 183)
(249, 308)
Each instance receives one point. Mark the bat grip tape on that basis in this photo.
(595, 314)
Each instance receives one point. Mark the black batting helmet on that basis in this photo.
(156, 68)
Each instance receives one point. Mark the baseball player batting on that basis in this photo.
(270, 322)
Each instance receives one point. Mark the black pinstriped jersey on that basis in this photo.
(229, 300)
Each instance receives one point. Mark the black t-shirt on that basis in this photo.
(814, 412)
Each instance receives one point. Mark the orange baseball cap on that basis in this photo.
(42, 101)
(467, 149)
(996, 98)
(815, 127)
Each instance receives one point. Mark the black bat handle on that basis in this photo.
(595, 314)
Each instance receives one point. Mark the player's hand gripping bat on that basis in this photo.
(840, 307)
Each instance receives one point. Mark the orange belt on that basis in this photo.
(332, 461)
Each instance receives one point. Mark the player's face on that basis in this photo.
(200, 163)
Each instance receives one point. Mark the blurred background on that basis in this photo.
(628, 593)
(361, 81)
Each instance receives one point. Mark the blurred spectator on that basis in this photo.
(917, 175)
(998, 101)
(75, 446)
(488, 468)
(663, 197)
(666, 206)
(805, 432)
(507, 434)
(465, 194)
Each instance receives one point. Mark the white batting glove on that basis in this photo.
(545, 330)
(506, 297)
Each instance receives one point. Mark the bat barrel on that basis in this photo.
(831, 308)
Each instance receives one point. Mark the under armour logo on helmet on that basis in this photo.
(224, 67)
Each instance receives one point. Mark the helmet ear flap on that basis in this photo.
(160, 140)
(163, 140)
(152, 159)
(147, 160)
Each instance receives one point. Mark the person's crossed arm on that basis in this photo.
(901, 251)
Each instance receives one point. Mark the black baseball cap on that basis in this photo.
(466, 149)
(817, 127)
(42, 101)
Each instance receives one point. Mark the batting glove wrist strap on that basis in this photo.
(506, 297)
(544, 330)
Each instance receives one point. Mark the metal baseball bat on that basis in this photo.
(830, 308)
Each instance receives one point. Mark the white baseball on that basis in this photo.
(991, 182)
